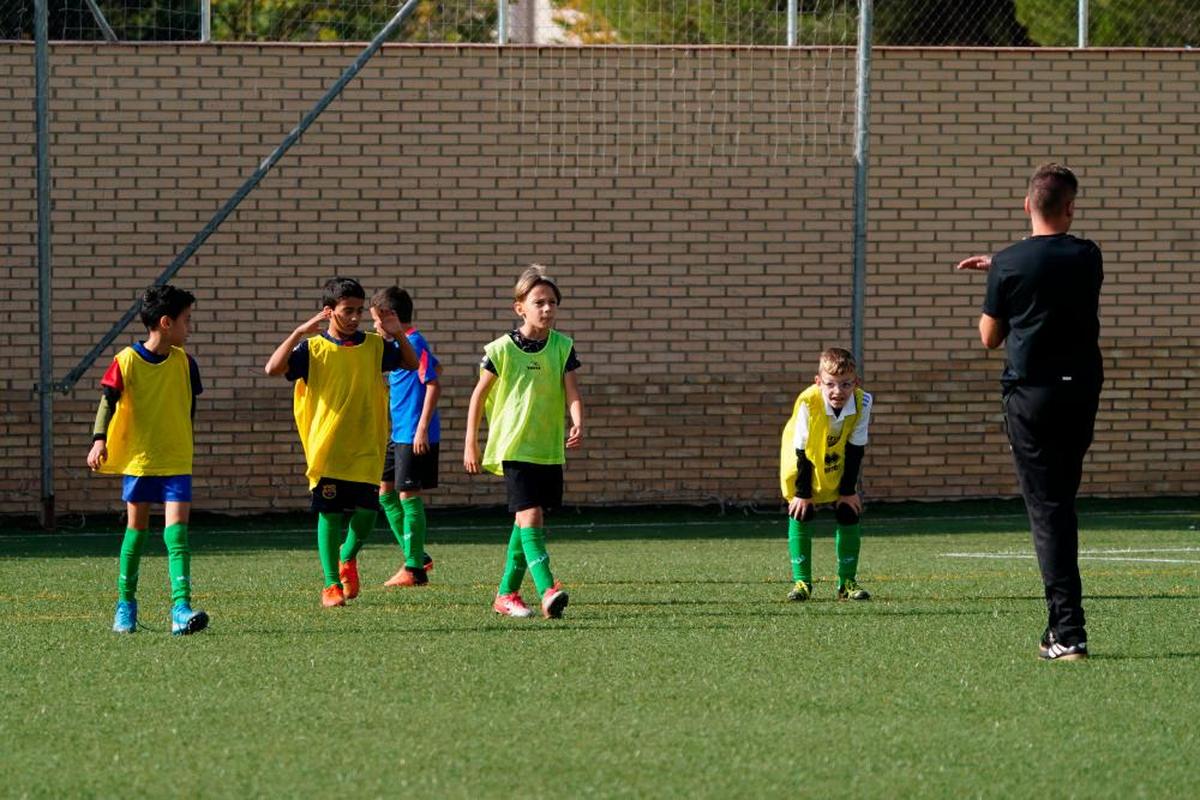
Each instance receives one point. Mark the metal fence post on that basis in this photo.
(205, 20)
(862, 127)
(45, 353)
(1083, 23)
(791, 22)
(502, 21)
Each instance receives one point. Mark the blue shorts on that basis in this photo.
(157, 489)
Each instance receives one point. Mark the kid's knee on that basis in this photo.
(845, 515)
(808, 514)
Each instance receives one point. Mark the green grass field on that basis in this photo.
(680, 670)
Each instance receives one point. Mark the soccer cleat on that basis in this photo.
(427, 562)
(1051, 649)
(511, 605)
(331, 596)
(850, 590)
(125, 620)
(408, 576)
(184, 621)
(554, 601)
(348, 575)
(800, 592)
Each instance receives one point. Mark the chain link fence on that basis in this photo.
(984, 23)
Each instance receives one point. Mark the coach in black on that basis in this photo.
(1042, 302)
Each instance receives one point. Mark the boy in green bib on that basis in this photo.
(525, 379)
(820, 455)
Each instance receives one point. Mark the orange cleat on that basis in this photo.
(408, 576)
(348, 575)
(554, 601)
(511, 605)
(331, 596)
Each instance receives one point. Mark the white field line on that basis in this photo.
(731, 521)
(1123, 554)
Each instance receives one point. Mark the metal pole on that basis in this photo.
(502, 21)
(862, 113)
(791, 23)
(205, 20)
(248, 186)
(45, 353)
(1083, 23)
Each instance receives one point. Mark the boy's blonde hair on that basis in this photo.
(534, 276)
(837, 361)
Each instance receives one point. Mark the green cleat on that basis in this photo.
(850, 590)
(800, 592)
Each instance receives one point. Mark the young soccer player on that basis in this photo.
(525, 379)
(340, 406)
(412, 450)
(143, 431)
(821, 453)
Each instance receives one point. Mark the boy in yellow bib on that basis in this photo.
(820, 455)
(340, 404)
(143, 431)
(525, 379)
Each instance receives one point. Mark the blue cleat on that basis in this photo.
(125, 620)
(184, 621)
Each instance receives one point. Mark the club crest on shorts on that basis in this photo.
(329, 491)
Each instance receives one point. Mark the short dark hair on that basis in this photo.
(397, 300)
(1051, 188)
(163, 300)
(337, 289)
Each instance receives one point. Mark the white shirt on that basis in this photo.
(858, 436)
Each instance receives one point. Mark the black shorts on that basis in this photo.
(533, 485)
(331, 495)
(409, 471)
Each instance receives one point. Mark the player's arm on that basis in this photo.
(390, 324)
(433, 391)
(104, 414)
(474, 415)
(992, 331)
(574, 408)
(111, 386)
(802, 503)
(277, 364)
(856, 449)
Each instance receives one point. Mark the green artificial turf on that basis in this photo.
(680, 669)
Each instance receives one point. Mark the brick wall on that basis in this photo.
(695, 206)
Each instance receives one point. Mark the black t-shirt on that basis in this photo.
(1045, 290)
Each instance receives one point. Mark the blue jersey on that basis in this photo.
(407, 393)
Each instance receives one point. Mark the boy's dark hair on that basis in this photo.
(161, 301)
(1051, 188)
(397, 300)
(339, 289)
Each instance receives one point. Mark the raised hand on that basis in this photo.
(975, 263)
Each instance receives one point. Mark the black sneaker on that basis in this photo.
(1051, 650)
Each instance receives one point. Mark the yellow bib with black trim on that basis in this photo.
(341, 411)
(527, 404)
(151, 430)
(827, 453)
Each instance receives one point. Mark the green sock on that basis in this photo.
(362, 522)
(800, 549)
(514, 567)
(131, 559)
(179, 563)
(390, 503)
(414, 532)
(329, 531)
(847, 542)
(533, 541)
